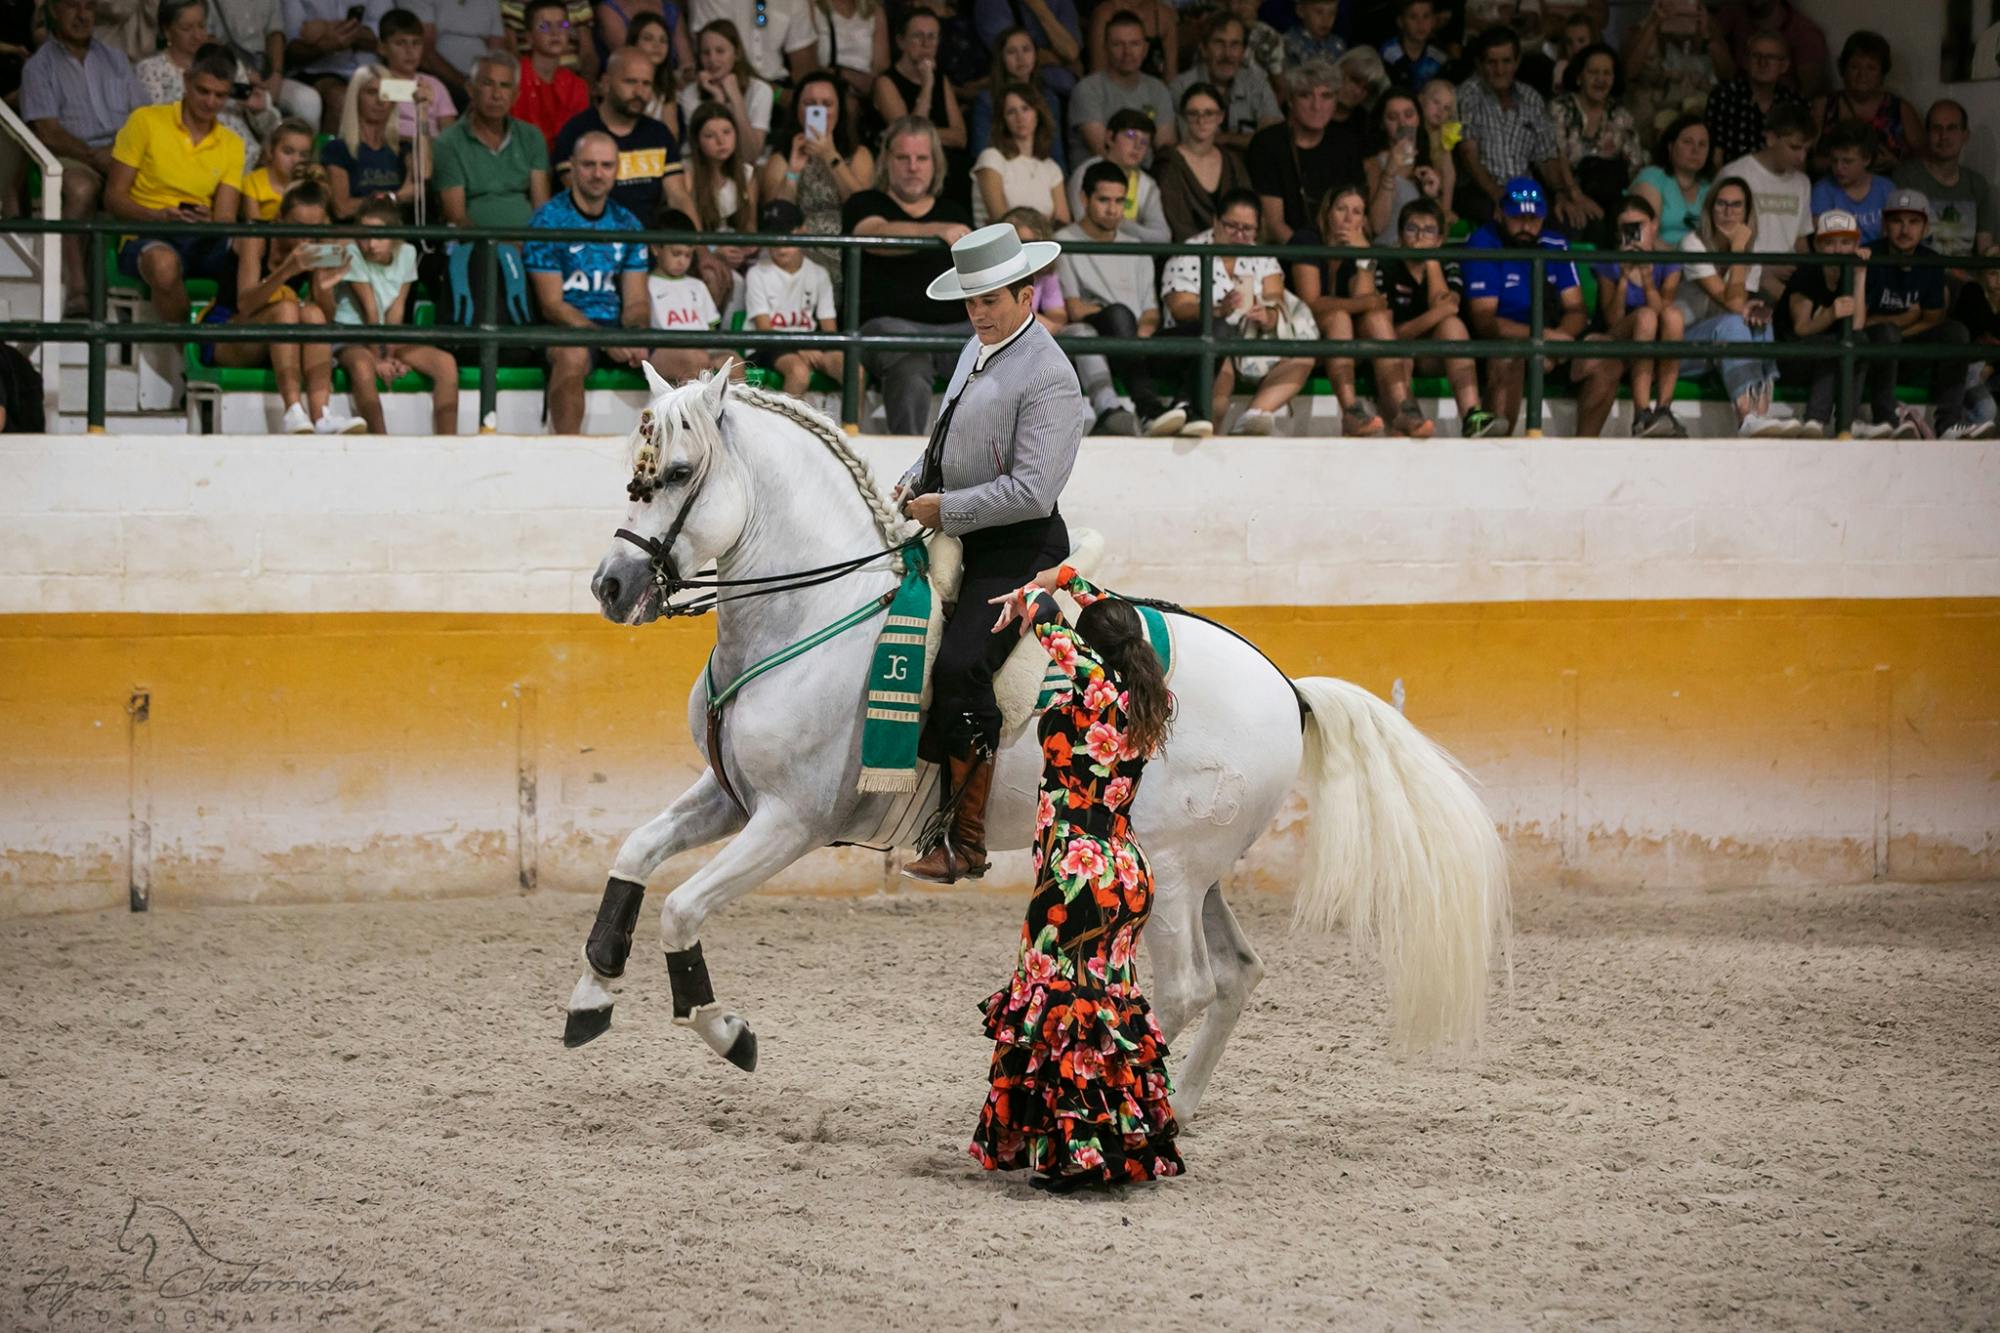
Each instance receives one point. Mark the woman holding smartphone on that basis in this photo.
(268, 274)
(1402, 172)
(820, 164)
(367, 160)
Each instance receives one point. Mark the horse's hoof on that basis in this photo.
(743, 1051)
(585, 1025)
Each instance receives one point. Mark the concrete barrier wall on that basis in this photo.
(370, 667)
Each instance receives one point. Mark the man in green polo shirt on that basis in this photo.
(492, 170)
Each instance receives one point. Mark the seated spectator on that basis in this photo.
(961, 57)
(1578, 34)
(1045, 298)
(1978, 308)
(1250, 104)
(1345, 303)
(1313, 37)
(1054, 31)
(1541, 33)
(722, 75)
(400, 35)
(1129, 143)
(129, 27)
(326, 44)
(77, 92)
(1112, 296)
(1635, 303)
(1863, 96)
(579, 51)
(549, 95)
(1507, 132)
(594, 285)
(819, 170)
(1409, 56)
(648, 153)
(612, 22)
(1481, 18)
(649, 35)
(1782, 193)
(1438, 100)
(1906, 304)
(254, 32)
(178, 163)
(1676, 185)
(1014, 61)
(456, 34)
(1159, 28)
(778, 34)
(1816, 299)
(1737, 109)
(492, 170)
(1265, 43)
(375, 289)
(1596, 137)
(1501, 291)
(1805, 42)
(1119, 84)
(286, 149)
(267, 274)
(680, 300)
(914, 87)
(1426, 302)
(851, 38)
(1724, 302)
(786, 290)
(1405, 170)
(1965, 214)
(1673, 59)
(1197, 173)
(1015, 172)
(369, 159)
(1295, 165)
(1248, 293)
(184, 29)
(1361, 79)
(906, 202)
(1849, 185)
(719, 192)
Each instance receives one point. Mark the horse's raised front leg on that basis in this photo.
(773, 839)
(703, 814)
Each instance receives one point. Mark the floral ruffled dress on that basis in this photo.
(1079, 1083)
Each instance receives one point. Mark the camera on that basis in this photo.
(1631, 234)
(240, 91)
(356, 13)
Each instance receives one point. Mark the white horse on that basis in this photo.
(1397, 843)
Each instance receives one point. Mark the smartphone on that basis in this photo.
(325, 256)
(240, 91)
(1631, 234)
(397, 90)
(816, 121)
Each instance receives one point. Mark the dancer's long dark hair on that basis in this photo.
(1113, 630)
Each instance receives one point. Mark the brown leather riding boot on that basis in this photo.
(962, 850)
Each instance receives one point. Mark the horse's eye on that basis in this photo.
(678, 474)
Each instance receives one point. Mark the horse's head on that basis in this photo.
(688, 506)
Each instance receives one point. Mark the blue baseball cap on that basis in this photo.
(1522, 197)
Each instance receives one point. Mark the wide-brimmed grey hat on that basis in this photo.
(989, 259)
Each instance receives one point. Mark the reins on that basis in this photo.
(669, 581)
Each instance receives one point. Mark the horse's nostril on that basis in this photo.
(607, 590)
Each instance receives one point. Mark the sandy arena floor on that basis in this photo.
(1768, 1110)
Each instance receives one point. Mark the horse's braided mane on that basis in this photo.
(893, 527)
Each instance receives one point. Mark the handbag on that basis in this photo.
(1295, 321)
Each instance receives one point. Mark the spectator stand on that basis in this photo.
(30, 265)
(98, 334)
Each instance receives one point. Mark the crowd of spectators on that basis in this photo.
(1698, 130)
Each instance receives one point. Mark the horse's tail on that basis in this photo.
(1399, 845)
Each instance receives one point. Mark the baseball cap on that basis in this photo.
(1907, 201)
(781, 215)
(1522, 197)
(1834, 222)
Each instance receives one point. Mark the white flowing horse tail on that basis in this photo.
(1399, 845)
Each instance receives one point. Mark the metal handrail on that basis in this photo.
(51, 168)
(490, 336)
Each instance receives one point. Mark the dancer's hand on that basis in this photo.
(1013, 605)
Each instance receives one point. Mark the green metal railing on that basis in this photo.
(489, 336)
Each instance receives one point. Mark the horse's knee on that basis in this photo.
(680, 923)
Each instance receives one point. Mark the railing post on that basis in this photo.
(1536, 314)
(94, 348)
(489, 350)
(1843, 411)
(1204, 373)
(850, 352)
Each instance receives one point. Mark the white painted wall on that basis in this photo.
(497, 523)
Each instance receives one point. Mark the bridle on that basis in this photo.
(666, 575)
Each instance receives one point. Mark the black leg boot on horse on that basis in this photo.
(959, 851)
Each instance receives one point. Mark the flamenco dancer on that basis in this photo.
(1079, 1078)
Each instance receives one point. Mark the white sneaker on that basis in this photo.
(1964, 430)
(1168, 422)
(333, 423)
(1254, 421)
(1763, 427)
(1805, 428)
(296, 421)
(1869, 430)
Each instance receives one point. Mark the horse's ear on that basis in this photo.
(656, 383)
(714, 390)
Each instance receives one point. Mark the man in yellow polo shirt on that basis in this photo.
(174, 163)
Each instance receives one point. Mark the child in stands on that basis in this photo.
(785, 290)
(289, 145)
(680, 300)
(375, 289)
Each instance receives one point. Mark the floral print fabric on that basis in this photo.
(1079, 1082)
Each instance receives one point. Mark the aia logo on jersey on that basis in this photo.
(792, 319)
